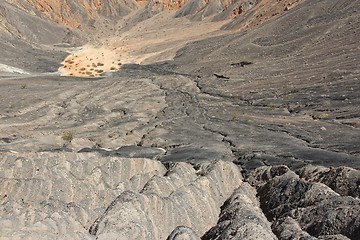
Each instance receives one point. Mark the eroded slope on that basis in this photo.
(86, 195)
(80, 195)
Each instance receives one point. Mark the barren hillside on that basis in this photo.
(179, 119)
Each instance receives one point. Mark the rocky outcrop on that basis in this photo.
(76, 12)
(181, 197)
(299, 208)
(259, 12)
(241, 218)
(343, 180)
(201, 9)
(55, 196)
(84, 194)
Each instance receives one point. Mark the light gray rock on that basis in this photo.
(194, 201)
(59, 195)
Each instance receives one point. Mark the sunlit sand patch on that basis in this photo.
(90, 62)
(141, 44)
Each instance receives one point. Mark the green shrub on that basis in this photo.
(68, 136)
(324, 115)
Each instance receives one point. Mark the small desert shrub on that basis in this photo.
(272, 105)
(247, 119)
(68, 136)
(82, 69)
(119, 64)
(100, 64)
(113, 68)
(234, 116)
(23, 86)
(323, 115)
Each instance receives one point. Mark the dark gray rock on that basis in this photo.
(130, 152)
(182, 233)
(241, 218)
(288, 228)
(343, 180)
(298, 207)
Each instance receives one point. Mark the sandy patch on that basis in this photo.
(153, 40)
(90, 61)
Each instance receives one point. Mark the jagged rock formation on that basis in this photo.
(79, 195)
(181, 197)
(241, 218)
(259, 13)
(110, 197)
(342, 180)
(299, 208)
